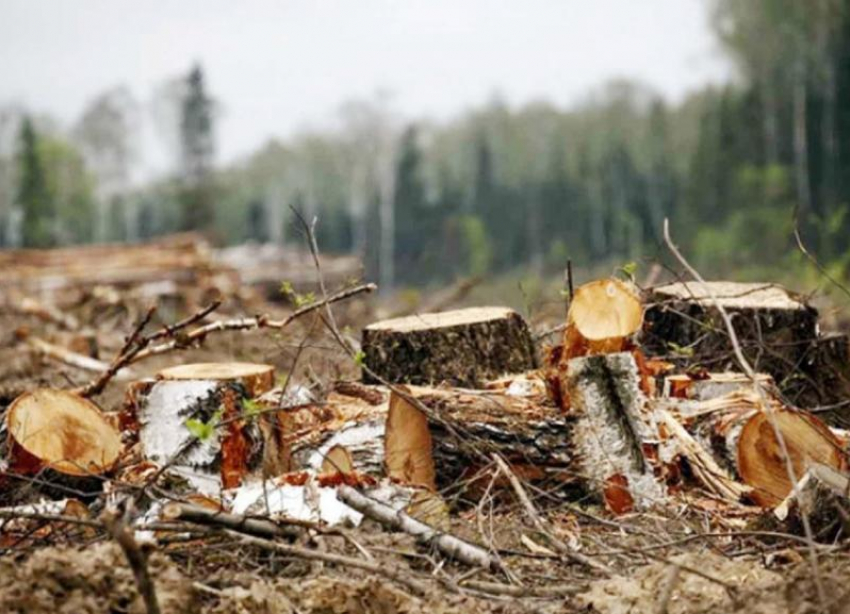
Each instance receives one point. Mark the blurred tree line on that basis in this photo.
(496, 189)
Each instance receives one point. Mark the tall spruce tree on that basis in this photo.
(197, 148)
(33, 194)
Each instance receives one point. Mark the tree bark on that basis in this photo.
(465, 347)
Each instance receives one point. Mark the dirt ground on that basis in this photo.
(683, 559)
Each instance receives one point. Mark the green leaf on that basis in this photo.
(200, 430)
(286, 288)
(360, 358)
(685, 352)
(251, 408)
(629, 269)
(204, 430)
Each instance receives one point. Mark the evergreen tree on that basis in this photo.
(33, 194)
(197, 143)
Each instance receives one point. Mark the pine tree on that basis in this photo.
(197, 141)
(33, 194)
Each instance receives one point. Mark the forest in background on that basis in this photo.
(495, 190)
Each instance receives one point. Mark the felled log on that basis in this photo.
(741, 432)
(823, 497)
(603, 315)
(611, 435)
(465, 347)
(194, 420)
(468, 427)
(61, 432)
(179, 258)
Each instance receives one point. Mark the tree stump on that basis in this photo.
(603, 315)
(193, 419)
(466, 347)
(773, 326)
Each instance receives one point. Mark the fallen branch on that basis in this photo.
(73, 359)
(257, 527)
(449, 545)
(199, 334)
(379, 568)
(540, 525)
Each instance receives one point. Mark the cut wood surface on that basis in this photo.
(740, 430)
(603, 314)
(466, 347)
(761, 462)
(256, 378)
(612, 433)
(408, 448)
(58, 430)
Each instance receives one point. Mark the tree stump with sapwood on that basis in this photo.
(193, 418)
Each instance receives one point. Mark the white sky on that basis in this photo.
(278, 66)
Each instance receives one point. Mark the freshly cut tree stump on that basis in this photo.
(743, 437)
(466, 347)
(193, 419)
(773, 326)
(256, 378)
(611, 435)
(603, 315)
(62, 432)
(408, 448)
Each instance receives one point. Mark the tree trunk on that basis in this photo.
(465, 347)
(611, 436)
(801, 146)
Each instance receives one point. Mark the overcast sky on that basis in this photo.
(279, 66)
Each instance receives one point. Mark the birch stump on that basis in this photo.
(466, 347)
(193, 419)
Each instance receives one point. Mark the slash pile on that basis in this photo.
(465, 469)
